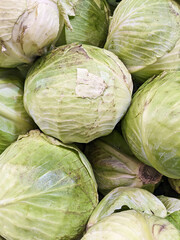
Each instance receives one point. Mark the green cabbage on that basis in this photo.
(115, 166)
(124, 198)
(27, 28)
(13, 118)
(48, 190)
(132, 225)
(89, 25)
(151, 125)
(77, 93)
(145, 35)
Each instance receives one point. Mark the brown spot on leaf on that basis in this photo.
(149, 175)
(160, 227)
(147, 102)
(173, 9)
(79, 49)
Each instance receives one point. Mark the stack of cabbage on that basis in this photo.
(89, 112)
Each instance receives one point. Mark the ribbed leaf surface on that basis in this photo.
(78, 93)
(130, 198)
(13, 118)
(47, 190)
(132, 225)
(141, 32)
(151, 125)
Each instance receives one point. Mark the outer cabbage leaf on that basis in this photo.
(142, 32)
(47, 189)
(127, 198)
(89, 24)
(171, 204)
(169, 62)
(78, 93)
(151, 125)
(66, 8)
(132, 225)
(28, 27)
(174, 218)
(115, 166)
(173, 209)
(13, 118)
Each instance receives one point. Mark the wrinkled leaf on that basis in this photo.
(47, 189)
(142, 32)
(151, 125)
(115, 166)
(173, 210)
(132, 225)
(121, 199)
(88, 25)
(13, 118)
(77, 93)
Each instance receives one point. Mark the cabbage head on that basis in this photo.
(151, 126)
(89, 25)
(114, 165)
(47, 189)
(13, 118)
(145, 35)
(125, 198)
(77, 93)
(132, 225)
(30, 27)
